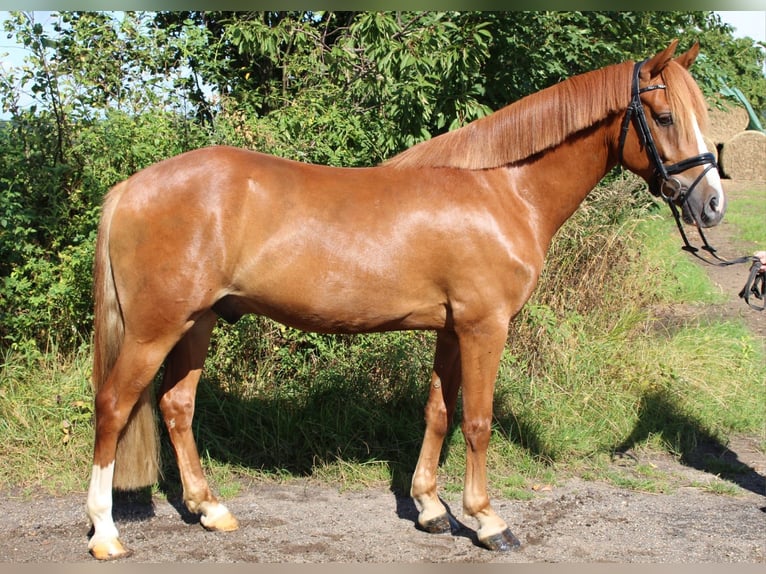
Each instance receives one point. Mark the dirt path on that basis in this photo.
(730, 280)
(576, 521)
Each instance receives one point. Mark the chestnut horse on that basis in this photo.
(449, 235)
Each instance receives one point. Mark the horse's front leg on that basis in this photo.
(481, 346)
(445, 382)
(177, 398)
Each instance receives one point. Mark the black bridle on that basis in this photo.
(670, 188)
(662, 174)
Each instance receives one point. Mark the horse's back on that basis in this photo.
(242, 231)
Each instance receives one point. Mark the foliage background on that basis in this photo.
(114, 92)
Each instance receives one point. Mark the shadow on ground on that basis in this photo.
(697, 447)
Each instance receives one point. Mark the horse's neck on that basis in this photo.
(556, 182)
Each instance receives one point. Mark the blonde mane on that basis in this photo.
(545, 119)
(685, 99)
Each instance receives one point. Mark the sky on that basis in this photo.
(746, 23)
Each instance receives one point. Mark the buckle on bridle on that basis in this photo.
(671, 189)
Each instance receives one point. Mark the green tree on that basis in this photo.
(734, 62)
(410, 75)
(114, 92)
(86, 129)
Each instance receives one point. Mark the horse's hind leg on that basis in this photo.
(177, 396)
(130, 376)
(445, 382)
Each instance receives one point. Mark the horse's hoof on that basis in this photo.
(108, 549)
(222, 523)
(503, 541)
(438, 525)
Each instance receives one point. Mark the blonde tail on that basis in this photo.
(138, 453)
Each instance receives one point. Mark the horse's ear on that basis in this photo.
(687, 58)
(656, 64)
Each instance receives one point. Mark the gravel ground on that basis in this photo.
(301, 522)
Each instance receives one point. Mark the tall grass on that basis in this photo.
(588, 369)
(46, 408)
(315, 402)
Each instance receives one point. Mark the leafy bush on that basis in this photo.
(50, 214)
(115, 93)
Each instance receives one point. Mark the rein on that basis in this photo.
(673, 191)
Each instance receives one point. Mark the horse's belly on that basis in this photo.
(339, 307)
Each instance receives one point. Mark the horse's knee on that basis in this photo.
(437, 418)
(477, 432)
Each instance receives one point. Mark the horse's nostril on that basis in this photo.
(713, 203)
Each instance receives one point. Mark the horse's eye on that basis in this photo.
(664, 120)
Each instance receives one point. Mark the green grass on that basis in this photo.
(643, 478)
(620, 388)
(747, 214)
(587, 371)
(723, 487)
(675, 276)
(45, 420)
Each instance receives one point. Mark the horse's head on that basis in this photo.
(661, 138)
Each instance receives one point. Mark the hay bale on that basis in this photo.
(727, 123)
(711, 147)
(744, 156)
